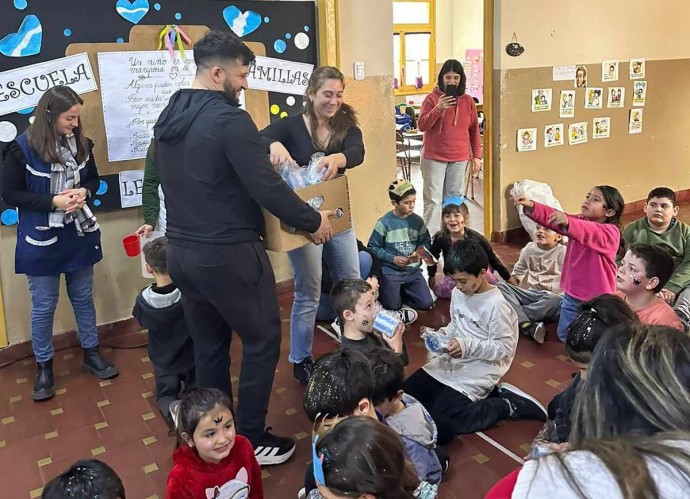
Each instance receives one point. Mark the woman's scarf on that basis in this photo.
(65, 175)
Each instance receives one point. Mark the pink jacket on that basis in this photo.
(448, 134)
(589, 267)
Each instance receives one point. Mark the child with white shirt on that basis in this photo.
(534, 289)
(460, 387)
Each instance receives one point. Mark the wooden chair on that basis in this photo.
(404, 153)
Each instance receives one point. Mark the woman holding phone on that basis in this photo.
(451, 130)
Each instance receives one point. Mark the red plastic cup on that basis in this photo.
(132, 245)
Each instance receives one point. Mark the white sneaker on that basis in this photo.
(407, 315)
(336, 329)
(174, 409)
(302, 494)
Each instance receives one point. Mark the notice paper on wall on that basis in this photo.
(526, 139)
(136, 87)
(563, 73)
(635, 122)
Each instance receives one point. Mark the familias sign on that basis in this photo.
(21, 88)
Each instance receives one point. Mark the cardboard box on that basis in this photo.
(280, 237)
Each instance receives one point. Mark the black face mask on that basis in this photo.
(452, 90)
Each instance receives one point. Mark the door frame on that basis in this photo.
(488, 69)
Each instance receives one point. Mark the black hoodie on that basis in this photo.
(215, 173)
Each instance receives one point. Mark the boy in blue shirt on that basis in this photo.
(400, 239)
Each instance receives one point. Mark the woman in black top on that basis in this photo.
(326, 125)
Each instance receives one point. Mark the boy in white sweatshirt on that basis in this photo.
(534, 290)
(460, 385)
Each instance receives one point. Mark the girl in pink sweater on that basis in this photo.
(450, 124)
(589, 267)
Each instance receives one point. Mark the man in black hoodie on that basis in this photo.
(216, 176)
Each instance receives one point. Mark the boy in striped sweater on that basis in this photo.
(401, 241)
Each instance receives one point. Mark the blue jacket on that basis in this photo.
(42, 250)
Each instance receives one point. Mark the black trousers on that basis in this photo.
(168, 387)
(228, 288)
(453, 412)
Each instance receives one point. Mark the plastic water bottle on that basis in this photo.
(435, 341)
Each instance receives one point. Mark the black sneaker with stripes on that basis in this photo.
(271, 449)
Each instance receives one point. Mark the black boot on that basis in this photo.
(95, 364)
(44, 386)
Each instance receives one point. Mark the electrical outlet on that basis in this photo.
(359, 70)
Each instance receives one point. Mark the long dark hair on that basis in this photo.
(43, 134)
(340, 122)
(613, 200)
(363, 456)
(456, 67)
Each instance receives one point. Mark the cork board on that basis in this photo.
(632, 163)
(146, 38)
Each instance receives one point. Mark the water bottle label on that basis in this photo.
(386, 324)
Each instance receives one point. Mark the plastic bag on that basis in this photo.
(536, 191)
(540, 446)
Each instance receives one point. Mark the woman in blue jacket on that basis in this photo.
(49, 173)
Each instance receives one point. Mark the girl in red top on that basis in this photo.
(212, 461)
(450, 124)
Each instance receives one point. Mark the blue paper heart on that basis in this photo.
(242, 23)
(26, 41)
(132, 11)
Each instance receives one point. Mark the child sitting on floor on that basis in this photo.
(661, 227)
(211, 459)
(353, 300)
(642, 275)
(159, 309)
(406, 416)
(397, 240)
(456, 220)
(534, 289)
(85, 480)
(459, 386)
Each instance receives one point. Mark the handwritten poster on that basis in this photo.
(562, 73)
(136, 87)
(131, 183)
(474, 69)
(22, 88)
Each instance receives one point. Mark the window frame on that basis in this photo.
(409, 29)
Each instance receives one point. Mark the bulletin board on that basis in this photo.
(49, 30)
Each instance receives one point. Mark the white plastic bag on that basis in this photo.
(536, 191)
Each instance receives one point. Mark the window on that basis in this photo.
(414, 56)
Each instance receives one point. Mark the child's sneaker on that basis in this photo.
(271, 449)
(336, 329)
(534, 330)
(522, 405)
(407, 315)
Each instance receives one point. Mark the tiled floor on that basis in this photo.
(117, 420)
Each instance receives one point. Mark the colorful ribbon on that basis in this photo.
(170, 34)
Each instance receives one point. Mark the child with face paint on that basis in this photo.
(589, 266)
(354, 302)
(643, 273)
(460, 387)
(211, 459)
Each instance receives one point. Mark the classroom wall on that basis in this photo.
(459, 26)
(118, 279)
(587, 32)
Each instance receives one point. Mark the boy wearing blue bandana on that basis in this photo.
(400, 240)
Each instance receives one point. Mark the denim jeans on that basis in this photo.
(45, 291)
(570, 309)
(325, 311)
(341, 257)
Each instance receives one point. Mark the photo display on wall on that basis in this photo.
(110, 64)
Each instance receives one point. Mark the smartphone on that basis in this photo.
(451, 90)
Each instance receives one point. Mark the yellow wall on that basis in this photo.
(587, 32)
(364, 30)
(459, 26)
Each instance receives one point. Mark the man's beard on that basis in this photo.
(230, 93)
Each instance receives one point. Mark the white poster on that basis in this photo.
(601, 128)
(131, 183)
(566, 108)
(609, 71)
(22, 88)
(577, 133)
(553, 135)
(526, 139)
(136, 87)
(635, 120)
(541, 99)
(562, 73)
